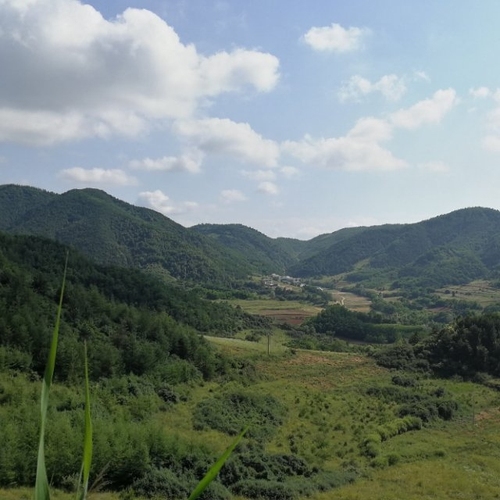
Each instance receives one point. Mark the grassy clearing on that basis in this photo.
(352, 301)
(330, 413)
(479, 291)
(276, 343)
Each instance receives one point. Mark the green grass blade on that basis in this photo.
(83, 485)
(214, 470)
(42, 491)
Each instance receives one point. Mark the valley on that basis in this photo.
(373, 375)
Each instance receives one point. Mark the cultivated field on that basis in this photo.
(289, 311)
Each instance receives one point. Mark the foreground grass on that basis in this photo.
(329, 414)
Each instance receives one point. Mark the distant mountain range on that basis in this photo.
(450, 249)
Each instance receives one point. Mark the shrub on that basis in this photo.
(232, 411)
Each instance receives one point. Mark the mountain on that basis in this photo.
(455, 248)
(17, 200)
(113, 232)
(263, 253)
(449, 249)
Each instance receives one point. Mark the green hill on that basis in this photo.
(135, 322)
(264, 254)
(449, 249)
(113, 232)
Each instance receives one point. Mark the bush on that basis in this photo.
(404, 381)
(232, 411)
(255, 488)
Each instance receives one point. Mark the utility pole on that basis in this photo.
(268, 343)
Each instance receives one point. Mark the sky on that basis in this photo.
(293, 117)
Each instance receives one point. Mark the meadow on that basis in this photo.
(330, 405)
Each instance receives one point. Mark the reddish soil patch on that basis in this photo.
(291, 317)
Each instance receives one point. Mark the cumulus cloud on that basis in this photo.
(68, 73)
(336, 38)
(391, 87)
(358, 150)
(223, 136)
(361, 149)
(430, 110)
(98, 176)
(160, 202)
(289, 172)
(232, 195)
(188, 162)
(268, 188)
(480, 92)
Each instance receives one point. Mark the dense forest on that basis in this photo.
(450, 249)
(133, 322)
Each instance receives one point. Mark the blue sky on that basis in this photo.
(295, 118)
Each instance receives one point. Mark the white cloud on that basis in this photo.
(260, 175)
(268, 188)
(430, 110)
(230, 72)
(358, 150)
(68, 73)
(289, 172)
(480, 92)
(98, 176)
(160, 202)
(422, 75)
(492, 143)
(188, 162)
(391, 87)
(335, 38)
(438, 167)
(223, 136)
(231, 196)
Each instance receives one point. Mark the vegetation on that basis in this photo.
(178, 367)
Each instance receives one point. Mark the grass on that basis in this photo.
(329, 413)
(479, 291)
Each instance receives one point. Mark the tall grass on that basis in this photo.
(42, 491)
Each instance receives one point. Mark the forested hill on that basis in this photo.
(263, 253)
(450, 249)
(113, 232)
(132, 321)
(453, 248)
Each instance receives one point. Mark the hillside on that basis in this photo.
(113, 232)
(263, 253)
(133, 321)
(450, 249)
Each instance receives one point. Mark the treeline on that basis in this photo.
(469, 347)
(133, 323)
(338, 321)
